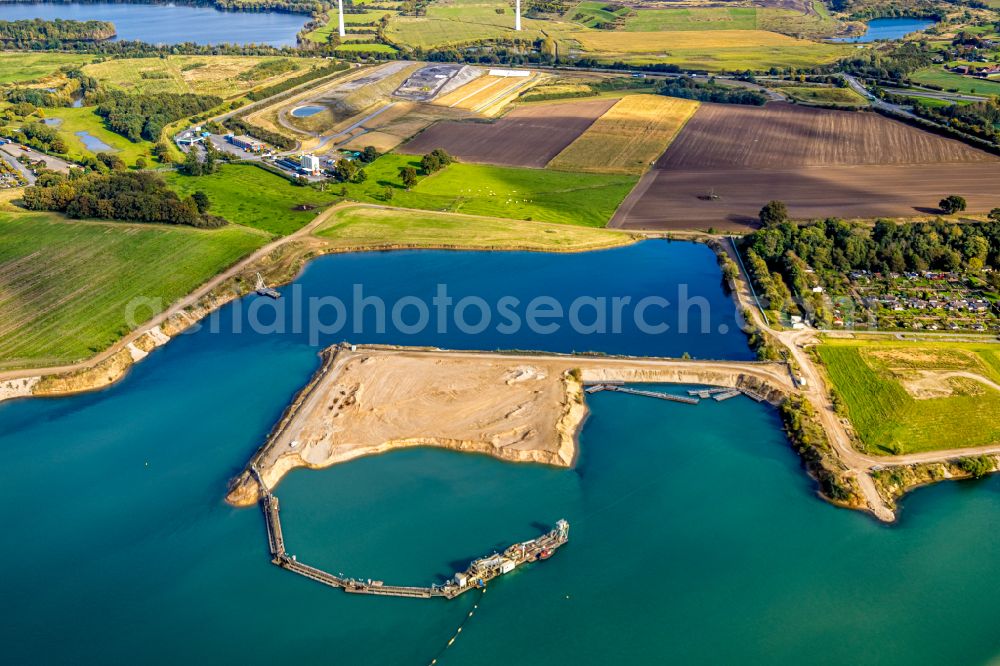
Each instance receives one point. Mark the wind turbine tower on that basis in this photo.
(340, 11)
(517, 15)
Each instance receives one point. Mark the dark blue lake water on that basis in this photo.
(669, 295)
(889, 28)
(169, 23)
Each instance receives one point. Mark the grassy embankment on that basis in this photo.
(366, 228)
(593, 13)
(877, 381)
(249, 195)
(65, 285)
(630, 136)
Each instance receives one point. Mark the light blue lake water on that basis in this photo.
(93, 143)
(169, 23)
(889, 28)
(306, 111)
(695, 536)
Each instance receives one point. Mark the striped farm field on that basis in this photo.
(488, 94)
(629, 136)
(710, 50)
(645, 42)
(65, 286)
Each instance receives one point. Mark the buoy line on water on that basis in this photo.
(458, 631)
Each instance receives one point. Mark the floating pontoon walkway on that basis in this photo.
(477, 575)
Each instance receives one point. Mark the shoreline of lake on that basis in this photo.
(100, 375)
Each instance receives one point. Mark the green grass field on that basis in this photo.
(366, 48)
(19, 67)
(458, 21)
(949, 81)
(387, 227)
(247, 195)
(877, 382)
(65, 286)
(933, 102)
(818, 95)
(523, 194)
(705, 18)
(83, 119)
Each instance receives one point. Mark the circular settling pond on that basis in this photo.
(306, 111)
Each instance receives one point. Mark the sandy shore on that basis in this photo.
(515, 407)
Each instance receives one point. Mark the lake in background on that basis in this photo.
(171, 24)
(889, 28)
(695, 535)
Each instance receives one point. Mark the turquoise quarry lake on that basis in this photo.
(695, 536)
(169, 23)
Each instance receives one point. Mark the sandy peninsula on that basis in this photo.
(515, 407)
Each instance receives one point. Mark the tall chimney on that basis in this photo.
(517, 15)
(340, 11)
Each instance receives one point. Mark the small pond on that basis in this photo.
(94, 144)
(306, 111)
(889, 28)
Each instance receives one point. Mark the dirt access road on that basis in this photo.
(837, 429)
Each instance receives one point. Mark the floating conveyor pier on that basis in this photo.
(693, 397)
(476, 576)
(596, 388)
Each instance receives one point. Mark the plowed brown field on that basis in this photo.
(731, 160)
(782, 136)
(526, 137)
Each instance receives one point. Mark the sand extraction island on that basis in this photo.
(516, 407)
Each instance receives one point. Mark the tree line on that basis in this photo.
(140, 196)
(144, 116)
(709, 91)
(23, 33)
(832, 248)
